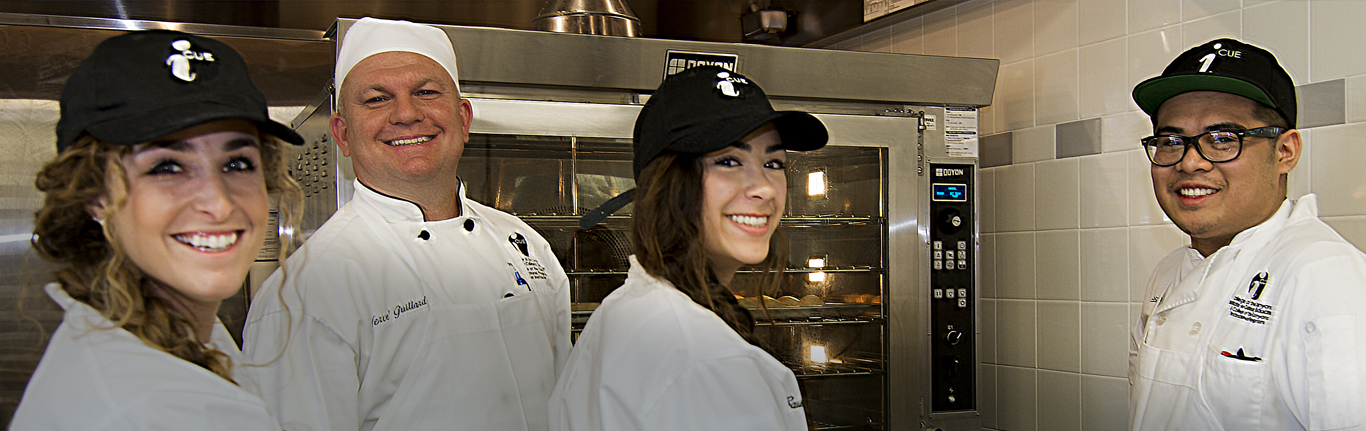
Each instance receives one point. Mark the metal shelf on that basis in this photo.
(831, 270)
(786, 221)
(804, 371)
(817, 321)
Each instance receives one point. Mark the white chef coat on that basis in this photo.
(652, 359)
(94, 376)
(1267, 333)
(395, 323)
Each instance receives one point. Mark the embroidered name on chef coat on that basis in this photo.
(397, 311)
(1247, 305)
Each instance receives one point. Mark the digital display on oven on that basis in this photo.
(950, 193)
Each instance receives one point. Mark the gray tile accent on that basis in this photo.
(1078, 138)
(996, 150)
(1322, 103)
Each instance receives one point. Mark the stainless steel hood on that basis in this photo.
(701, 20)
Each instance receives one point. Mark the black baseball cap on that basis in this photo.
(705, 109)
(1227, 66)
(143, 85)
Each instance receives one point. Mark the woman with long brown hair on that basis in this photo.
(672, 349)
(155, 207)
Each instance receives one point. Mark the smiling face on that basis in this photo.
(744, 193)
(1213, 202)
(402, 123)
(194, 210)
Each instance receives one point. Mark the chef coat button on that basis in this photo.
(1161, 318)
(1195, 329)
(424, 235)
(1310, 328)
(509, 295)
(469, 225)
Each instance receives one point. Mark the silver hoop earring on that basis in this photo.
(98, 220)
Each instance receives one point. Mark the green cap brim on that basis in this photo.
(1152, 93)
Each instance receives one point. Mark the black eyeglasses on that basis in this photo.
(1217, 146)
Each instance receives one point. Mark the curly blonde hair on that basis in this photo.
(97, 271)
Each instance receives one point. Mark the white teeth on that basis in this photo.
(750, 220)
(208, 242)
(417, 140)
(1195, 193)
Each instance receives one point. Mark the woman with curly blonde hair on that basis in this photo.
(155, 207)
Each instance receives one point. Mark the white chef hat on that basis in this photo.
(371, 36)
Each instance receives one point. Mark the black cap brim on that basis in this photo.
(146, 126)
(1150, 94)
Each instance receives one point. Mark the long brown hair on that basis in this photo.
(97, 271)
(668, 239)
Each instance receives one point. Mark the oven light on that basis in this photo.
(818, 354)
(815, 183)
(815, 262)
(816, 277)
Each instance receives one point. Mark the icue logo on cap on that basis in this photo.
(727, 83)
(180, 61)
(1219, 51)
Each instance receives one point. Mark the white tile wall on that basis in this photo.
(1058, 260)
(1147, 246)
(1015, 198)
(1017, 402)
(1034, 144)
(1055, 25)
(1101, 79)
(1356, 99)
(908, 37)
(975, 35)
(1015, 256)
(1102, 20)
(1227, 24)
(1065, 60)
(1121, 132)
(1014, 26)
(986, 266)
(1105, 339)
(1281, 27)
(1016, 342)
(1196, 9)
(1353, 229)
(1143, 207)
(1060, 335)
(1015, 95)
(1105, 265)
(1104, 403)
(1056, 192)
(1335, 39)
(941, 33)
(1104, 195)
(1056, 88)
(1059, 401)
(1150, 51)
(1337, 155)
(1146, 15)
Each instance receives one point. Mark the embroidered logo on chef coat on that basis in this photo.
(534, 269)
(1250, 308)
(518, 242)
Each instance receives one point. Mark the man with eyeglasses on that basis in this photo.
(1259, 322)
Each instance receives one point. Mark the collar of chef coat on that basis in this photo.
(396, 210)
(1187, 291)
(87, 317)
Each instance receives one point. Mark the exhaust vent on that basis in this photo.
(601, 17)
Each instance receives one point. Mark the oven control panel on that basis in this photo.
(953, 257)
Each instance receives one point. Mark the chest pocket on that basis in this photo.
(485, 366)
(1233, 389)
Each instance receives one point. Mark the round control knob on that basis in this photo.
(950, 221)
(954, 337)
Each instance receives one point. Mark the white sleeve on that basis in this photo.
(559, 314)
(190, 410)
(1331, 367)
(728, 394)
(305, 372)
